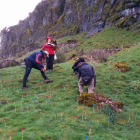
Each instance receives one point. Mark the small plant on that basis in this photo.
(120, 105)
(136, 85)
(100, 101)
(122, 66)
(86, 99)
(100, 55)
(60, 58)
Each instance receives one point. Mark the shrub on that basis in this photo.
(136, 85)
(100, 101)
(86, 99)
(120, 105)
(60, 58)
(100, 55)
(122, 66)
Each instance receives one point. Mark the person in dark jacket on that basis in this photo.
(35, 61)
(50, 48)
(86, 76)
(74, 67)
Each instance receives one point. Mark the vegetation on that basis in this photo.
(108, 38)
(122, 66)
(52, 112)
(48, 111)
(19, 59)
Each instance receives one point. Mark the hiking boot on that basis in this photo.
(24, 87)
(48, 81)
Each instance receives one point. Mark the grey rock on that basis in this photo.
(8, 63)
(58, 18)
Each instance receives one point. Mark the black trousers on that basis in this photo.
(49, 62)
(28, 69)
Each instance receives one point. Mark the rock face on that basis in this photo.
(58, 18)
(8, 63)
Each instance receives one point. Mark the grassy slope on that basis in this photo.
(24, 56)
(44, 122)
(108, 38)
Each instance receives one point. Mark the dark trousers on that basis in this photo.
(28, 69)
(49, 62)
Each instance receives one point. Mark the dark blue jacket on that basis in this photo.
(35, 60)
(86, 70)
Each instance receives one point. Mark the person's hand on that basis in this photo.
(53, 45)
(43, 69)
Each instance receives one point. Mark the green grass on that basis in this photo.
(107, 38)
(24, 56)
(43, 119)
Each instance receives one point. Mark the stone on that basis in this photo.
(59, 18)
(8, 63)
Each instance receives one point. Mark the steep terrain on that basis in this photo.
(51, 112)
(107, 31)
(59, 18)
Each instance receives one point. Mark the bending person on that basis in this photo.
(35, 61)
(86, 76)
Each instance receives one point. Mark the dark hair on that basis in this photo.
(74, 67)
(81, 59)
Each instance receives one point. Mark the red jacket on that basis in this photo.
(49, 48)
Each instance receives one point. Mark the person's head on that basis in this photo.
(46, 54)
(81, 59)
(49, 39)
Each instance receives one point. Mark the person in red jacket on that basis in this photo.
(50, 48)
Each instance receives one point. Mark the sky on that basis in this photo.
(11, 11)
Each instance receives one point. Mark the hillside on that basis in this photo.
(39, 111)
(99, 46)
(60, 18)
(107, 34)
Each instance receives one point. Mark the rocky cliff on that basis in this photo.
(58, 18)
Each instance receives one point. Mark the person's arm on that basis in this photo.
(39, 62)
(53, 47)
(94, 76)
(75, 65)
(79, 74)
(43, 69)
(44, 46)
(95, 81)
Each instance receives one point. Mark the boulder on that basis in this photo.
(8, 63)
